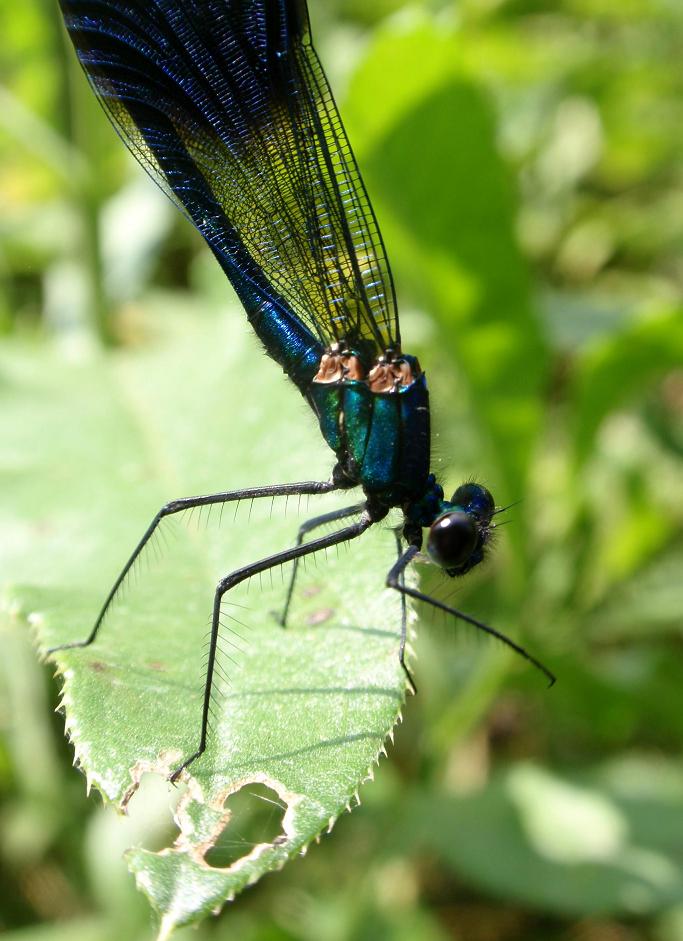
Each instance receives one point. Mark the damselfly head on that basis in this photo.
(475, 499)
(458, 535)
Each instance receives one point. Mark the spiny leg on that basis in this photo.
(240, 575)
(404, 619)
(333, 517)
(395, 581)
(177, 506)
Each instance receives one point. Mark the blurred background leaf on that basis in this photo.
(526, 163)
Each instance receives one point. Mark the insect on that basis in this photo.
(226, 106)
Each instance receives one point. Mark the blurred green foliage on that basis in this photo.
(526, 162)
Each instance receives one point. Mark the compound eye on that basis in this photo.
(452, 539)
(476, 499)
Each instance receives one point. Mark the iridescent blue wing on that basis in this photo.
(225, 104)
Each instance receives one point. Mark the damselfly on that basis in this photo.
(226, 105)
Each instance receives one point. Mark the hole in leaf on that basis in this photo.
(257, 813)
(149, 820)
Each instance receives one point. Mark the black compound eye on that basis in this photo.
(452, 540)
(476, 499)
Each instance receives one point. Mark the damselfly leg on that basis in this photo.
(240, 575)
(303, 488)
(396, 581)
(333, 517)
(404, 618)
(308, 527)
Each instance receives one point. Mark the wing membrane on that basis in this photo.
(226, 105)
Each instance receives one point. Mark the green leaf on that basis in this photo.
(647, 604)
(618, 368)
(603, 841)
(74, 930)
(90, 451)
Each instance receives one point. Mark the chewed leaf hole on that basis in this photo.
(150, 807)
(257, 813)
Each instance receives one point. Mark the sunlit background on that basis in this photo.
(525, 159)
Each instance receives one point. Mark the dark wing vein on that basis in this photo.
(226, 105)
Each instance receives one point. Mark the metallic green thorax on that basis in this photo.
(381, 439)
